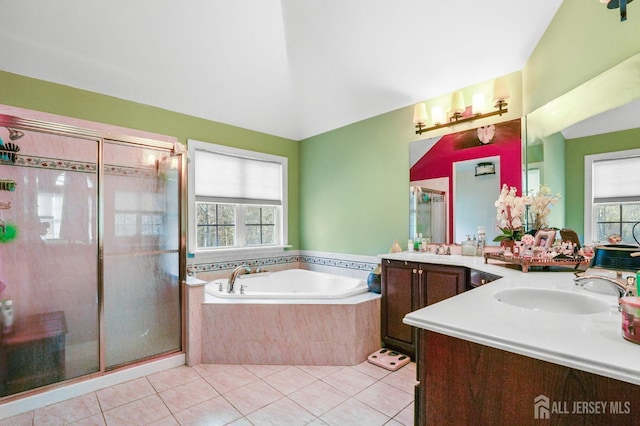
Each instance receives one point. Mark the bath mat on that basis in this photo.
(388, 359)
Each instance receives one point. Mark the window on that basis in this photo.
(237, 198)
(612, 195)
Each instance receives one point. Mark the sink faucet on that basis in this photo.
(232, 279)
(441, 249)
(620, 287)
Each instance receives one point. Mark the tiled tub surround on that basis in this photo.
(336, 332)
(294, 332)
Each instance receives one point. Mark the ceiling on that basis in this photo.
(291, 68)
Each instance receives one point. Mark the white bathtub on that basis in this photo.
(288, 284)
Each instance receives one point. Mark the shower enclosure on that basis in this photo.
(427, 214)
(91, 249)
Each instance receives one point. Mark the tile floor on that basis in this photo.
(221, 394)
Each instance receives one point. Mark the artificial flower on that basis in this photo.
(510, 213)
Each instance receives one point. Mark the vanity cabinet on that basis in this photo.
(462, 382)
(409, 286)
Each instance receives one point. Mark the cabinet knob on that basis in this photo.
(415, 270)
(420, 272)
(483, 281)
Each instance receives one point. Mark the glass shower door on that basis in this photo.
(140, 253)
(48, 264)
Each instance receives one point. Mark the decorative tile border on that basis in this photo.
(77, 166)
(339, 263)
(55, 164)
(282, 260)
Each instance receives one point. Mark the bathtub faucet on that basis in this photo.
(232, 279)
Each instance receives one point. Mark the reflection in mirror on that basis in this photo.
(475, 192)
(428, 214)
(448, 164)
(601, 116)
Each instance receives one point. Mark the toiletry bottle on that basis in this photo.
(7, 316)
(481, 240)
(637, 283)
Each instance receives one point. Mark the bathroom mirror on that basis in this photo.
(469, 173)
(589, 119)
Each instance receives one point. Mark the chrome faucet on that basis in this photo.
(618, 285)
(442, 249)
(232, 279)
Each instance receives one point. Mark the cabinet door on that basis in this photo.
(441, 282)
(399, 297)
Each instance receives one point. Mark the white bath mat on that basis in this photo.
(388, 359)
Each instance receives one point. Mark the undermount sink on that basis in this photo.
(552, 301)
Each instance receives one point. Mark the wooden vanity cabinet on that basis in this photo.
(439, 282)
(463, 383)
(409, 286)
(400, 295)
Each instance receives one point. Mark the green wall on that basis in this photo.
(575, 151)
(354, 185)
(583, 40)
(53, 98)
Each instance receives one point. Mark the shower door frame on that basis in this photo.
(100, 137)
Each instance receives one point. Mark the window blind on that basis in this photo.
(616, 180)
(232, 179)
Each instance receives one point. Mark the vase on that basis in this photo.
(395, 247)
(374, 282)
(507, 244)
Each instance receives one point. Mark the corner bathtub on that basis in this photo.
(291, 317)
(288, 284)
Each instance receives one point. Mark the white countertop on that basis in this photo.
(588, 342)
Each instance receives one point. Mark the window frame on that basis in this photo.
(590, 220)
(195, 145)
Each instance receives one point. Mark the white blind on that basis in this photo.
(616, 180)
(227, 178)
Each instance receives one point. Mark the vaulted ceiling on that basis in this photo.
(291, 68)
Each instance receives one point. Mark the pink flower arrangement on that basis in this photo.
(510, 214)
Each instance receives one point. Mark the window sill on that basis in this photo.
(236, 253)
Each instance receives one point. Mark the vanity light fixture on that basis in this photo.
(500, 95)
(485, 169)
(615, 4)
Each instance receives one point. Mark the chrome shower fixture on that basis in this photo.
(14, 134)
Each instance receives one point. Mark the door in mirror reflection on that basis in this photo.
(475, 193)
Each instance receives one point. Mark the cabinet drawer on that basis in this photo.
(478, 278)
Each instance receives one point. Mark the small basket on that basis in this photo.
(8, 152)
